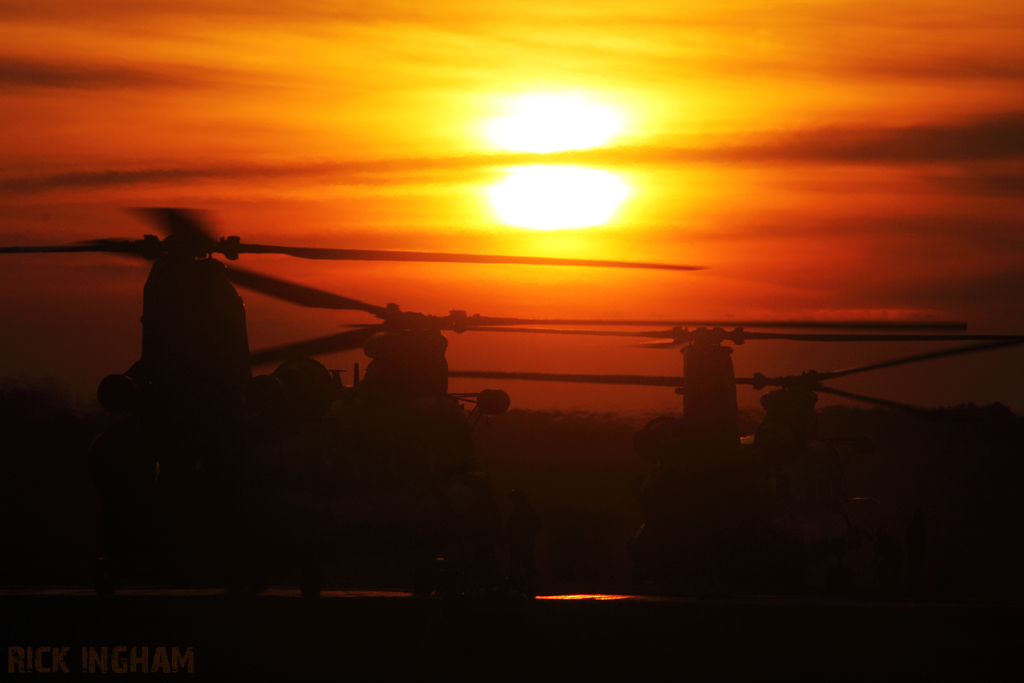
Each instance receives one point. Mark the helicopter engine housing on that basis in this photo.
(195, 348)
(709, 400)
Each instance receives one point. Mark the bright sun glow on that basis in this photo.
(552, 123)
(553, 197)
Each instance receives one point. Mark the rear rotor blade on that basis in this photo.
(939, 325)
(296, 293)
(353, 339)
(827, 337)
(739, 336)
(634, 380)
(811, 380)
(942, 353)
(443, 257)
(798, 324)
(875, 401)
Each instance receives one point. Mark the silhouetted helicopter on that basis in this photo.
(216, 473)
(756, 513)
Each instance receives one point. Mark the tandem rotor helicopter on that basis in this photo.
(758, 512)
(216, 473)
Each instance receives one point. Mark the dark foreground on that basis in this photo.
(392, 636)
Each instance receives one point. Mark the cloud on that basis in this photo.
(597, 45)
(384, 172)
(26, 73)
(989, 298)
(989, 184)
(995, 137)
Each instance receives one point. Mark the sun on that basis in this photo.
(552, 197)
(557, 197)
(553, 123)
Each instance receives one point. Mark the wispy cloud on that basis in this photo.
(18, 73)
(737, 38)
(383, 172)
(991, 184)
(996, 137)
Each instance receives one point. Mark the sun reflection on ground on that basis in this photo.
(585, 596)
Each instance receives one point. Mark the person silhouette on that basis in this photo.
(521, 529)
(916, 543)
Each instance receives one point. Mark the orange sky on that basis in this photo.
(825, 159)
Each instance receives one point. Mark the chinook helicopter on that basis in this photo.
(217, 467)
(215, 473)
(757, 513)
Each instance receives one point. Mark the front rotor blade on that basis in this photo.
(296, 293)
(353, 339)
(657, 345)
(105, 247)
(442, 257)
(593, 333)
(635, 380)
(942, 353)
(876, 401)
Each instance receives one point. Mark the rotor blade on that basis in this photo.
(676, 335)
(944, 325)
(876, 401)
(479, 323)
(805, 324)
(657, 345)
(184, 223)
(353, 339)
(148, 247)
(826, 337)
(300, 295)
(442, 257)
(105, 247)
(296, 293)
(595, 333)
(635, 380)
(1013, 341)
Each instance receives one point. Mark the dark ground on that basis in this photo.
(277, 637)
(962, 468)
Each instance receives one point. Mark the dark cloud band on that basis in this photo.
(992, 138)
(24, 73)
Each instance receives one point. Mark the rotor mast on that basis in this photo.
(709, 394)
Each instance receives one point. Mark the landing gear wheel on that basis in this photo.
(428, 573)
(103, 581)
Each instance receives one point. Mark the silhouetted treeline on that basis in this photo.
(962, 468)
(49, 509)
